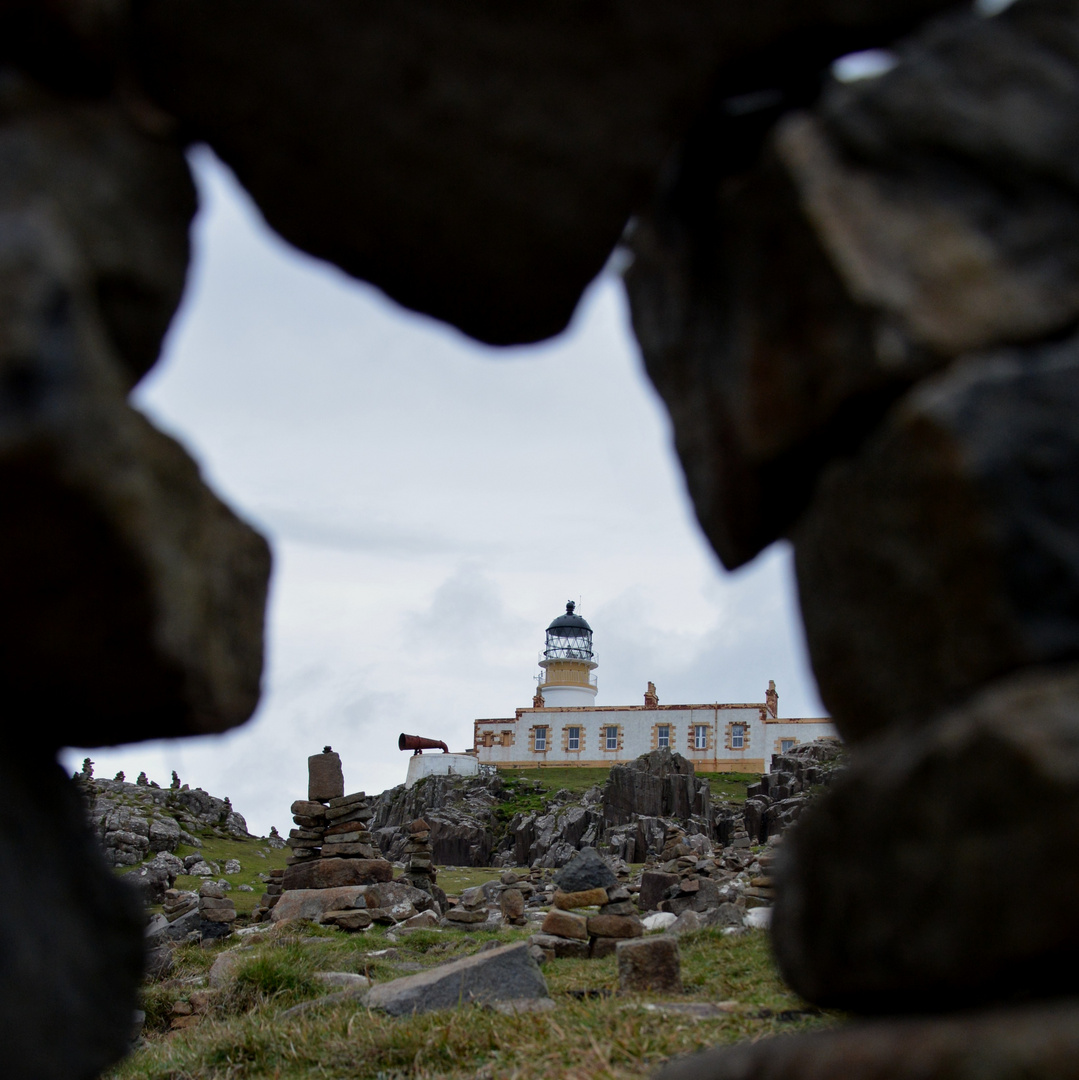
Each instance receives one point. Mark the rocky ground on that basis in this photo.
(475, 822)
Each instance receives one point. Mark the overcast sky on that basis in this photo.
(432, 504)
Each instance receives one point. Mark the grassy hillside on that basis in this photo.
(240, 1030)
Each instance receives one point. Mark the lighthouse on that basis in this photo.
(566, 679)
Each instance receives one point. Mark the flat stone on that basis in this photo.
(325, 780)
(650, 964)
(565, 924)
(348, 919)
(586, 870)
(503, 973)
(357, 798)
(585, 898)
(423, 920)
(345, 814)
(661, 920)
(332, 873)
(224, 966)
(467, 915)
(615, 926)
(306, 835)
(395, 897)
(896, 891)
(361, 851)
(621, 907)
(342, 980)
(212, 889)
(560, 947)
(1031, 1040)
(307, 808)
(347, 827)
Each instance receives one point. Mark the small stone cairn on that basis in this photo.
(420, 870)
(178, 902)
(216, 907)
(587, 881)
(346, 835)
(268, 900)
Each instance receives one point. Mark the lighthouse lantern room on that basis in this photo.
(568, 662)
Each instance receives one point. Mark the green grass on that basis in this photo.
(255, 857)
(593, 1032)
(730, 785)
(575, 780)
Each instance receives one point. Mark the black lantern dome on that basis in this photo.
(569, 637)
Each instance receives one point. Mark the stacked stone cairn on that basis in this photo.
(420, 870)
(471, 910)
(325, 782)
(586, 882)
(346, 835)
(216, 910)
(274, 889)
(179, 902)
(511, 898)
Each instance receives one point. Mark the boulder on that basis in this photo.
(968, 489)
(71, 932)
(499, 974)
(896, 890)
(785, 291)
(1040, 1040)
(650, 965)
(658, 784)
(500, 151)
(586, 870)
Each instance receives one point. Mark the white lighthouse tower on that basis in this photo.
(567, 679)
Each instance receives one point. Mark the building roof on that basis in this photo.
(570, 624)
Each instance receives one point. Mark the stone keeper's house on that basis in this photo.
(564, 726)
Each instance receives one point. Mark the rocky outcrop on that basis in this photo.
(460, 813)
(135, 821)
(658, 784)
(780, 797)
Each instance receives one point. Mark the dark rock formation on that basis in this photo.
(478, 164)
(70, 932)
(894, 893)
(972, 478)
(659, 784)
(786, 290)
(997, 1044)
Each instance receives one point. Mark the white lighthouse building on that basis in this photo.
(565, 726)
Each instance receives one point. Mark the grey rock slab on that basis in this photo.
(501, 974)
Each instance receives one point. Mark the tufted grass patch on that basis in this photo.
(594, 1032)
